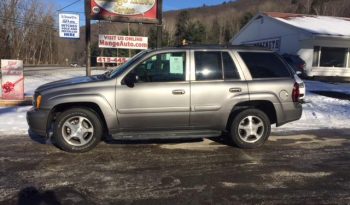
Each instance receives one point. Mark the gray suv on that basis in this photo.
(184, 92)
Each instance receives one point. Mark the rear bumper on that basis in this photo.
(289, 113)
(37, 121)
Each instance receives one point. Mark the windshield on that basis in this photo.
(120, 69)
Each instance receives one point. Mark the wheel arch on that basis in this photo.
(59, 108)
(263, 105)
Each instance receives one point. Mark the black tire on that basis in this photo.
(90, 118)
(237, 133)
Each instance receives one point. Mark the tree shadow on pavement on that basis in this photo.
(61, 195)
(30, 195)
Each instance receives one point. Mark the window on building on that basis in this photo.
(333, 57)
(265, 65)
(330, 57)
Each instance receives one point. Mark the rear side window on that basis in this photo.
(208, 65)
(265, 65)
(230, 68)
(215, 65)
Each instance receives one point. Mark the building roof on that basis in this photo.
(318, 25)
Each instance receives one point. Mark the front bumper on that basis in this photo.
(37, 121)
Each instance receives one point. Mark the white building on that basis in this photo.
(323, 42)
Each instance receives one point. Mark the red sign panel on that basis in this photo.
(133, 11)
(12, 79)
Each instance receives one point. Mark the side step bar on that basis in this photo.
(166, 135)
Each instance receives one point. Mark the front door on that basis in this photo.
(160, 97)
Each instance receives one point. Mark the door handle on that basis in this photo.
(235, 90)
(179, 92)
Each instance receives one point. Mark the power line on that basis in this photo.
(68, 5)
(78, 12)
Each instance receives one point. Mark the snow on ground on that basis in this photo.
(13, 119)
(321, 113)
(41, 77)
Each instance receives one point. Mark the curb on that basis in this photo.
(13, 103)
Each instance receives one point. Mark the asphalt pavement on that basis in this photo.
(301, 167)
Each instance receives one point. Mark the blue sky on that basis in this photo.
(167, 4)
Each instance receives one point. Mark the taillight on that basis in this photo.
(296, 93)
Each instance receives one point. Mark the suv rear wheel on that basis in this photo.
(250, 129)
(77, 130)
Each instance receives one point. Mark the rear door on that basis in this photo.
(217, 84)
(269, 75)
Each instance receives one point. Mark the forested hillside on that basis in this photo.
(29, 34)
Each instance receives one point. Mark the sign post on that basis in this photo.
(88, 37)
(12, 79)
(160, 24)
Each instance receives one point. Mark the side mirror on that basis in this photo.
(130, 80)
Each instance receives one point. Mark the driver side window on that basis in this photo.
(165, 67)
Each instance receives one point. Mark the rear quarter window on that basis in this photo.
(265, 65)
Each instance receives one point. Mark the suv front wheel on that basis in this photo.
(77, 130)
(250, 129)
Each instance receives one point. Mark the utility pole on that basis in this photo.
(160, 24)
(88, 36)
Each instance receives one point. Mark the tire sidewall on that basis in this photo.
(235, 124)
(90, 115)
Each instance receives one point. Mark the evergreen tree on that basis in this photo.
(214, 36)
(228, 34)
(182, 24)
(196, 32)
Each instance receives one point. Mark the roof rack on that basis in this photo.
(218, 46)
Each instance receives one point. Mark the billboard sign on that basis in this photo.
(12, 79)
(69, 25)
(132, 11)
(116, 60)
(123, 42)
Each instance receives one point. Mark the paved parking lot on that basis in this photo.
(306, 167)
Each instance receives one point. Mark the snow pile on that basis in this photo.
(13, 120)
(322, 112)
